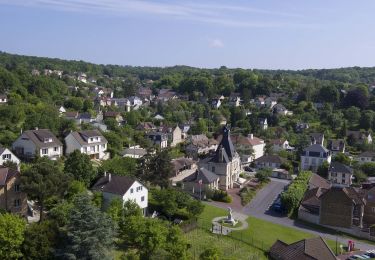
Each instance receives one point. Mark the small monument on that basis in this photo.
(230, 218)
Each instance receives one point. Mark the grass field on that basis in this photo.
(260, 234)
(200, 239)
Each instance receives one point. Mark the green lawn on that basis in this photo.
(200, 239)
(260, 234)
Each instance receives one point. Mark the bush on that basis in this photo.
(263, 175)
(221, 196)
(247, 194)
(296, 190)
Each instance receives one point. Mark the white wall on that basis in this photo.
(136, 196)
(258, 150)
(12, 158)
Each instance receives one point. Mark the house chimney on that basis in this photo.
(251, 136)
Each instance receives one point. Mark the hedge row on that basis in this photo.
(294, 194)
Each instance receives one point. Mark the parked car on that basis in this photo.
(277, 205)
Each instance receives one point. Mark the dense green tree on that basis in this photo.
(120, 166)
(90, 233)
(43, 180)
(40, 240)
(329, 93)
(12, 230)
(79, 166)
(156, 168)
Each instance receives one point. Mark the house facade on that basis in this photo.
(6, 155)
(340, 174)
(158, 139)
(250, 147)
(122, 187)
(201, 181)
(38, 142)
(268, 161)
(226, 162)
(314, 156)
(200, 145)
(3, 99)
(366, 157)
(336, 146)
(281, 144)
(12, 199)
(90, 142)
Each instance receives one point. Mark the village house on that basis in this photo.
(216, 103)
(114, 115)
(268, 161)
(135, 152)
(145, 93)
(122, 103)
(235, 100)
(159, 117)
(12, 199)
(270, 102)
(366, 157)
(201, 181)
(174, 135)
(62, 110)
(200, 145)
(158, 139)
(340, 174)
(87, 118)
(125, 188)
(183, 167)
(314, 156)
(7, 156)
(260, 101)
(317, 138)
(135, 102)
(249, 147)
(306, 249)
(358, 137)
(225, 163)
(300, 127)
(3, 99)
(280, 109)
(336, 146)
(90, 142)
(280, 145)
(263, 123)
(146, 127)
(165, 95)
(38, 142)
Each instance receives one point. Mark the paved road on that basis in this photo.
(264, 198)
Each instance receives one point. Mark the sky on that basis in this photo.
(263, 34)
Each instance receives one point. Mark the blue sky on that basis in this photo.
(270, 34)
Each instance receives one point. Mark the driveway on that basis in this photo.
(264, 198)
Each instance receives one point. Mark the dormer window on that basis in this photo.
(47, 140)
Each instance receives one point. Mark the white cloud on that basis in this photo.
(213, 13)
(216, 43)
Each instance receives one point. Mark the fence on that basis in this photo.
(229, 243)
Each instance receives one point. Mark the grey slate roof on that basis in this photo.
(225, 151)
(38, 136)
(269, 159)
(82, 136)
(118, 185)
(203, 174)
(340, 168)
(316, 148)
